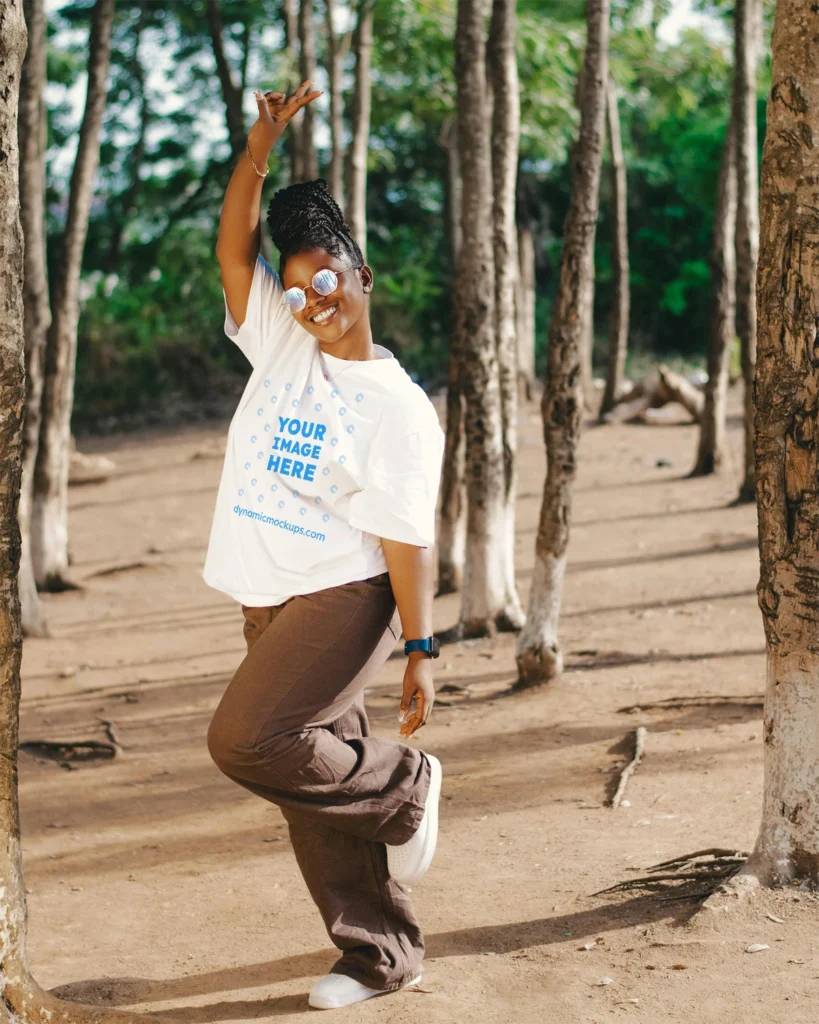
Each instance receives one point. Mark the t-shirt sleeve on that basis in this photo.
(400, 494)
(266, 317)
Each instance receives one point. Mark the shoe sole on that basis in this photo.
(319, 1006)
(433, 799)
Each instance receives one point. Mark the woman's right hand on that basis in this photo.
(275, 110)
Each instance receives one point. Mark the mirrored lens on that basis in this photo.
(295, 299)
(325, 282)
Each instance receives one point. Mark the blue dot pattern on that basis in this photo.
(287, 387)
(247, 465)
(359, 397)
(318, 406)
(253, 439)
(267, 383)
(350, 429)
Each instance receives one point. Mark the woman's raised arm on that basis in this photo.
(238, 244)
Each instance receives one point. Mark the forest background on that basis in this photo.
(151, 346)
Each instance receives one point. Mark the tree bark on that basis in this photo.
(31, 134)
(746, 19)
(711, 454)
(526, 295)
(307, 69)
(787, 456)
(231, 92)
(503, 73)
(21, 999)
(539, 655)
(334, 58)
(621, 300)
(355, 208)
(49, 525)
(293, 135)
(483, 603)
(452, 521)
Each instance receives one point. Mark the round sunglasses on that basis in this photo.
(325, 282)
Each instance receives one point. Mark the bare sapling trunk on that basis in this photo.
(21, 1000)
(231, 91)
(621, 300)
(335, 54)
(483, 595)
(539, 655)
(292, 137)
(307, 70)
(525, 295)
(503, 73)
(355, 208)
(787, 458)
(49, 523)
(747, 22)
(452, 522)
(711, 453)
(31, 134)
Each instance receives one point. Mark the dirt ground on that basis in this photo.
(154, 883)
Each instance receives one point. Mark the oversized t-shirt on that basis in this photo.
(324, 457)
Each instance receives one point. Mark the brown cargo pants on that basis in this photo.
(291, 727)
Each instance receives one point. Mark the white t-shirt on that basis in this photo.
(324, 457)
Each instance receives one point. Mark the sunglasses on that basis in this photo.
(325, 282)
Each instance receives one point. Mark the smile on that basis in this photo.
(325, 316)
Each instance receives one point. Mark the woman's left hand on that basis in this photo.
(418, 684)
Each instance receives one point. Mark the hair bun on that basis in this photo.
(303, 211)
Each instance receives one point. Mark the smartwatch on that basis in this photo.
(429, 645)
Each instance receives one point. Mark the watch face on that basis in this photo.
(436, 647)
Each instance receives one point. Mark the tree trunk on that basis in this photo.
(483, 604)
(31, 134)
(21, 999)
(525, 298)
(618, 327)
(307, 68)
(744, 114)
(539, 655)
(503, 73)
(452, 522)
(124, 207)
(787, 456)
(49, 525)
(355, 209)
(231, 92)
(292, 137)
(334, 58)
(711, 454)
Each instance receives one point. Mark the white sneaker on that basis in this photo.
(336, 990)
(409, 861)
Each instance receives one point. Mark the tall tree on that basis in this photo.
(526, 290)
(231, 90)
(294, 133)
(336, 50)
(621, 299)
(355, 208)
(31, 134)
(21, 999)
(711, 453)
(484, 592)
(49, 525)
(307, 69)
(452, 519)
(787, 456)
(503, 74)
(747, 30)
(539, 655)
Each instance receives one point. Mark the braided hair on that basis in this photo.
(305, 216)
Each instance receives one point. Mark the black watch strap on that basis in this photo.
(429, 645)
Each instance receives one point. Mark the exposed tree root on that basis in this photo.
(707, 701)
(64, 753)
(676, 877)
(640, 736)
(29, 1004)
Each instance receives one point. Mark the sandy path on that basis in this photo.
(157, 884)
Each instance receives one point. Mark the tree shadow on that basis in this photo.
(491, 938)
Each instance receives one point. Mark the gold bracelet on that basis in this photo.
(253, 162)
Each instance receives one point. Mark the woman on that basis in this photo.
(324, 523)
